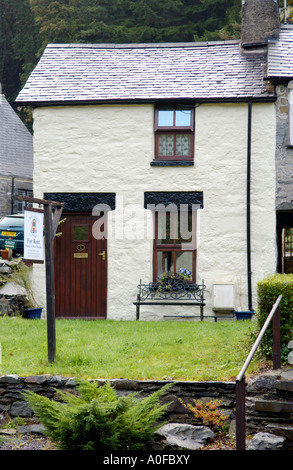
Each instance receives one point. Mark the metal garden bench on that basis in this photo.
(179, 293)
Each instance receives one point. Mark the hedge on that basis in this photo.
(268, 291)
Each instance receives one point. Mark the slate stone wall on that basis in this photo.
(263, 387)
(284, 153)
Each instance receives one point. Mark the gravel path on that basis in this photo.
(22, 439)
(34, 441)
(31, 436)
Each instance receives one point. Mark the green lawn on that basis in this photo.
(127, 349)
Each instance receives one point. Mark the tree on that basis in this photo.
(221, 20)
(19, 41)
(131, 20)
(57, 20)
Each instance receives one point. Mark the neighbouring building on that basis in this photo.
(16, 159)
(280, 73)
(124, 132)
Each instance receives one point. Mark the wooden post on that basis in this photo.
(51, 223)
(51, 335)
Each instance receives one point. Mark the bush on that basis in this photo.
(208, 413)
(268, 291)
(97, 419)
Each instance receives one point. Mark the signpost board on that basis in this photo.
(33, 244)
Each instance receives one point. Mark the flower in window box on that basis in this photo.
(185, 274)
(170, 280)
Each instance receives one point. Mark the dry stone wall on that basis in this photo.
(12, 402)
(268, 386)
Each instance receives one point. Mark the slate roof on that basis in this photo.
(280, 54)
(16, 143)
(70, 73)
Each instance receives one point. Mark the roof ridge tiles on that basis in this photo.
(162, 45)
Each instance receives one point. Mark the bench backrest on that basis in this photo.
(177, 291)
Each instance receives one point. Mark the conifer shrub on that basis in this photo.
(269, 290)
(97, 419)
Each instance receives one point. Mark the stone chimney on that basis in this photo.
(260, 22)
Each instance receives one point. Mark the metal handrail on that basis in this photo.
(258, 340)
(240, 379)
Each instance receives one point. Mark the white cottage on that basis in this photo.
(124, 133)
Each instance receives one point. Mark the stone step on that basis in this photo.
(284, 419)
(284, 385)
(281, 430)
(273, 406)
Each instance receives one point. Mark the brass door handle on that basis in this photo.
(103, 254)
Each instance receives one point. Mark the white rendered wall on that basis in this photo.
(109, 149)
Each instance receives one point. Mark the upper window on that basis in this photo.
(174, 133)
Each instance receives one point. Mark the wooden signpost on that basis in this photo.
(51, 221)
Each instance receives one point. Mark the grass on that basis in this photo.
(196, 351)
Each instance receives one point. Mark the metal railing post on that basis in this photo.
(138, 302)
(240, 415)
(277, 339)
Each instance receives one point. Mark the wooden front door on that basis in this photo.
(80, 269)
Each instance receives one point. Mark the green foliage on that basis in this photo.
(268, 291)
(131, 20)
(97, 419)
(19, 41)
(289, 12)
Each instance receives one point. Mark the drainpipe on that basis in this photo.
(12, 193)
(248, 238)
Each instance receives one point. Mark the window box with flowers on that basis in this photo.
(170, 281)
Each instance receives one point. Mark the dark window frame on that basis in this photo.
(173, 247)
(174, 131)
